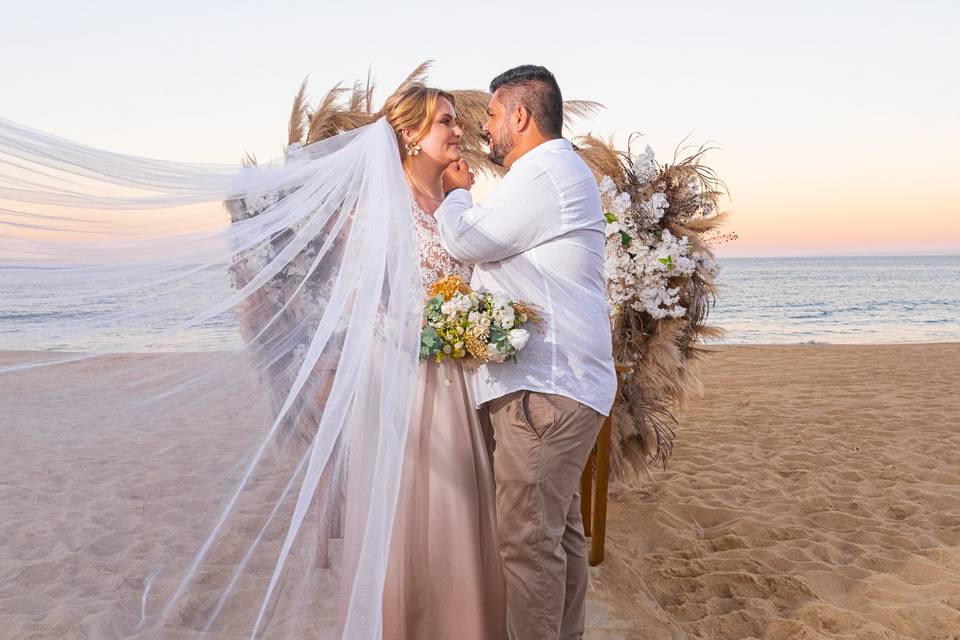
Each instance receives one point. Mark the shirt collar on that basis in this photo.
(543, 147)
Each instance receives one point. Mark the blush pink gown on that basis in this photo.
(444, 580)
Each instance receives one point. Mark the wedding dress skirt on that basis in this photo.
(444, 580)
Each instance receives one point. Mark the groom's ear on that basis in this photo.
(522, 118)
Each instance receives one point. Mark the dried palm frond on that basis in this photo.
(298, 115)
(574, 109)
(706, 223)
(471, 108)
(418, 75)
(601, 157)
(711, 184)
(358, 97)
(368, 101)
(324, 121)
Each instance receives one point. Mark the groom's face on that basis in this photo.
(497, 130)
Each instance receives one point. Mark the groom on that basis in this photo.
(539, 239)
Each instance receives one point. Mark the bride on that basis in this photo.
(317, 480)
(444, 578)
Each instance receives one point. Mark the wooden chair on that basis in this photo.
(593, 496)
(594, 483)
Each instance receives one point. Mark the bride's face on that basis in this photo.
(442, 143)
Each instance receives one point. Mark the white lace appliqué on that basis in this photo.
(435, 263)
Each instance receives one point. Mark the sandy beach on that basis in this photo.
(814, 492)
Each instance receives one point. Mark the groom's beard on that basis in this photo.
(500, 147)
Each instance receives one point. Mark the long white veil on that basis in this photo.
(206, 405)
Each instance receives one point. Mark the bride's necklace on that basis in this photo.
(421, 190)
(429, 197)
(432, 197)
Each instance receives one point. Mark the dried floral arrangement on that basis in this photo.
(662, 223)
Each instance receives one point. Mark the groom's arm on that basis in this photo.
(523, 212)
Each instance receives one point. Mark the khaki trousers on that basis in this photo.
(541, 443)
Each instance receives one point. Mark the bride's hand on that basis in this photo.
(458, 176)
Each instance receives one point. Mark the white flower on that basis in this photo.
(621, 204)
(644, 167)
(494, 354)
(504, 316)
(455, 306)
(258, 201)
(650, 274)
(607, 187)
(477, 331)
(654, 208)
(518, 338)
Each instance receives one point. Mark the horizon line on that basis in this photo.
(845, 255)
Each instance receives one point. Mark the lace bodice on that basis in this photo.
(435, 263)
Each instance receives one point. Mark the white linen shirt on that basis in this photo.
(539, 239)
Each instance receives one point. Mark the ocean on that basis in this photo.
(839, 300)
(761, 301)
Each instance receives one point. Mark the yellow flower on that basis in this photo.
(448, 286)
(476, 348)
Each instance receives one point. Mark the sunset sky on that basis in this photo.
(837, 124)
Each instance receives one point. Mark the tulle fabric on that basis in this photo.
(267, 350)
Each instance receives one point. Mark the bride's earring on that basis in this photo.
(413, 148)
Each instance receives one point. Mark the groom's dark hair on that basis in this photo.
(535, 88)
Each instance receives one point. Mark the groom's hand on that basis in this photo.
(458, 176)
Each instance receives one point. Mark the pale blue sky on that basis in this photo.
(839, 122)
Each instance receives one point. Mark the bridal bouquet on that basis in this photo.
(480, 326)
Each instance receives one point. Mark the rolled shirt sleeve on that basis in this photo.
(539, 239)
(521, 214)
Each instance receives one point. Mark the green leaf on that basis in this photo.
(610, 217)
(429, 339)
(667, 261)
(433, 306)
(625, 239)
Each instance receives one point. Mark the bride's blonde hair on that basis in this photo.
(413, 108)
